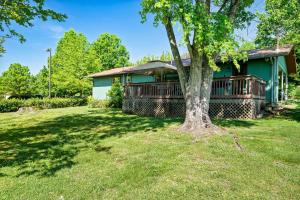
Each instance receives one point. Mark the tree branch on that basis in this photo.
(233, 8)
(187, 38)
(223, 6)
(208, 6)
(174, 47)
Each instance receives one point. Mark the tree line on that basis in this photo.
(73, 60)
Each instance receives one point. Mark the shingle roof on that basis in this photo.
(154, 65)
(110, 72)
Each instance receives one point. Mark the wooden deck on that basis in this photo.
(238, 87)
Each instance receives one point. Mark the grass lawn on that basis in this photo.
(83, 153)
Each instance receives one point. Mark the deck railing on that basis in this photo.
(227, 87)
(238, 87)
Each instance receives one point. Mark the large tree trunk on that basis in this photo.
(197, 98)
(196, 87)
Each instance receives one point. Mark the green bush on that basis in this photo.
(292, 90)
(97, 103)
(12, 105)
(115, 95)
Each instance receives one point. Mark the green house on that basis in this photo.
(262, 80)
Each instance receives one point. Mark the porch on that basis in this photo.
(231, 97)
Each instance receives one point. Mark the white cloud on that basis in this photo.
(56, 30)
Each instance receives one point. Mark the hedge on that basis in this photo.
(12, 105)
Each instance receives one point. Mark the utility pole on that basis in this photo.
(49, 67)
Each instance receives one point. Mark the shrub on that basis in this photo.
(292, 90)
(115, 95)
(97, 103)
(12, 105)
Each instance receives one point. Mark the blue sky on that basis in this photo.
(93, 17)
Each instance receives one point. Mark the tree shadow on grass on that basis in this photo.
(234, 123)
(50, 146)
(292, 114)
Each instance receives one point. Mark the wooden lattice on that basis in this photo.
(221, 108)
(154, 107)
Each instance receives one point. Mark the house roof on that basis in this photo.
(115, 71)
(269, 52)
(153, 66)
(286, 50)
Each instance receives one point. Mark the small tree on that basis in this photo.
(17, 80)
(115, 95)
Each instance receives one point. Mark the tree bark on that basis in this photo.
(197, 98)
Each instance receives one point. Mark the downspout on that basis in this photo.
(282, 89)
(286, 86)
(272, 80)
(276, 81)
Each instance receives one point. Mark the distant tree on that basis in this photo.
(70, 65)
(146, 59)
(280, 23)
(165, 56)
(41, 81)
(16, 81)
(247, 45)
(109, 52)
(2, 92)
(22, 13)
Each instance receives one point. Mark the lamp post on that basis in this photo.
(49, 67)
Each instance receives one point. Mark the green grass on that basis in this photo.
(83, 153)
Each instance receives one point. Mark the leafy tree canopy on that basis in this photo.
(165, 56)
(247, 45)
(109, 52)
(41, 81)
(70, 65)
(280, 23)
(16, 81)
(209, 31)
(23, 12)
(280, 20)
